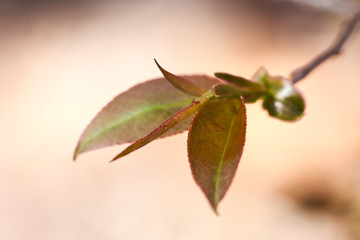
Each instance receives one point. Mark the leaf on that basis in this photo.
(229, 90)
(215, 145)
(182, 83)
(138, 111)
(241, 82)
(163, 128)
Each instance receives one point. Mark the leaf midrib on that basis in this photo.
(218, 171)
(134, 114)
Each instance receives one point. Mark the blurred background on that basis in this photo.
(62, 61)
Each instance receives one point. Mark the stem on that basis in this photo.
(334, 49)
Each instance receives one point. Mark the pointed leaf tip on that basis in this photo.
(181, 83)
(75, 154)
(215, 145)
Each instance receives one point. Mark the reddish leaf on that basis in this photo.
(229, 90)
(138, 111)
(241, 82)
(163, 128)
(215, 145)
(182, 83)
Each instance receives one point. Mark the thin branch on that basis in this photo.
(334, 49)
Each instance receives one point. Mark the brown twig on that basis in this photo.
(334, 49)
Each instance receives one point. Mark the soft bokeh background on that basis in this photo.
(60, 63)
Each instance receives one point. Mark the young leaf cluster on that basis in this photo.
(212, 109)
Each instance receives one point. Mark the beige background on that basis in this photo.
(60, 64)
